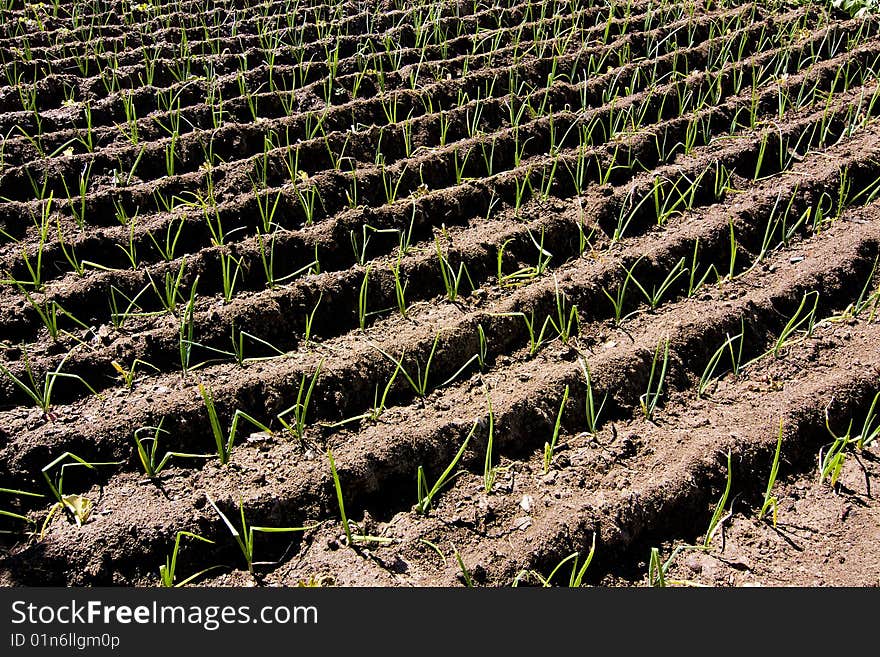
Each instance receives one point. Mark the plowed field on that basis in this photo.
(582, 264)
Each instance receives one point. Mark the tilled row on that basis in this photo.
(375, 463)
(330, 305)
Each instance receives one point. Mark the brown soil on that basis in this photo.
(645, 162)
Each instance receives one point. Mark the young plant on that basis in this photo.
(42, 394)
(466, 576)
(244, 536)
(524, 274)
(77, 507)
(575, 578)
(770, 501)
(299, 410)
(655, 297)
(831, 462)
(566, 323)
(708, 376)
(489, 471)
(225, 442)
(399, 288)
(148, 447)
(651, 398)
(351, 539)
(869, 432)
(451, 278)
(419, 383)
(617, 301)
(11, 514)
(718, 516)
(167, 571)
(425, 495)
(551, 446)
(798, 320)
(593, 414)
(128, 375)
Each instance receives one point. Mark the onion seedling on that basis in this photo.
(551, 446)
(77, 507)
(420, 383)
(225, 442)
(351, 539)
(12, 514)
(869, 432)
(651, 398)
(244, 536)
(796, 322)
(770, 501)
(301, 407)
(489, 471)
(42, 394)
(426, 496)
(168, 569)
(147, 449)
(593, 414)
(717, 517)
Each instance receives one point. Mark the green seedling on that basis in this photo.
(524, 274)
(658, 569)
(617, 301)
(535, 341)
(148, 447)
(11, 514)
(419, 383)
(77, 507)
(708, 376)
(167, 571)
(718, 516)
(770, 501)
(575, 578)
(831, 461)
(299, 410)
(128, 375)
(869, 432)
(225, 442)
(651, 398)
(244, 536)
(351, 539)
(655, 296)
(490, 471)
(451, 278)
(42, 394)
(798, 320)
(566, 323)
(577, 575)
(593, 415)
(550, 447)
(464, 571)
(425, 495)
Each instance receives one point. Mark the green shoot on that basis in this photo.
(651, 398)
(425, 495)
(351, 539)
(717, 517)
(551, 446)
(147, 449)
(169, 568)
(770, 502)
(225, 442)
(301, 407)
(244, 536)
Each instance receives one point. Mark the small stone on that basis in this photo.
(522, 523)
(526, 503)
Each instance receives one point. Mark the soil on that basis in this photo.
(630, 227)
